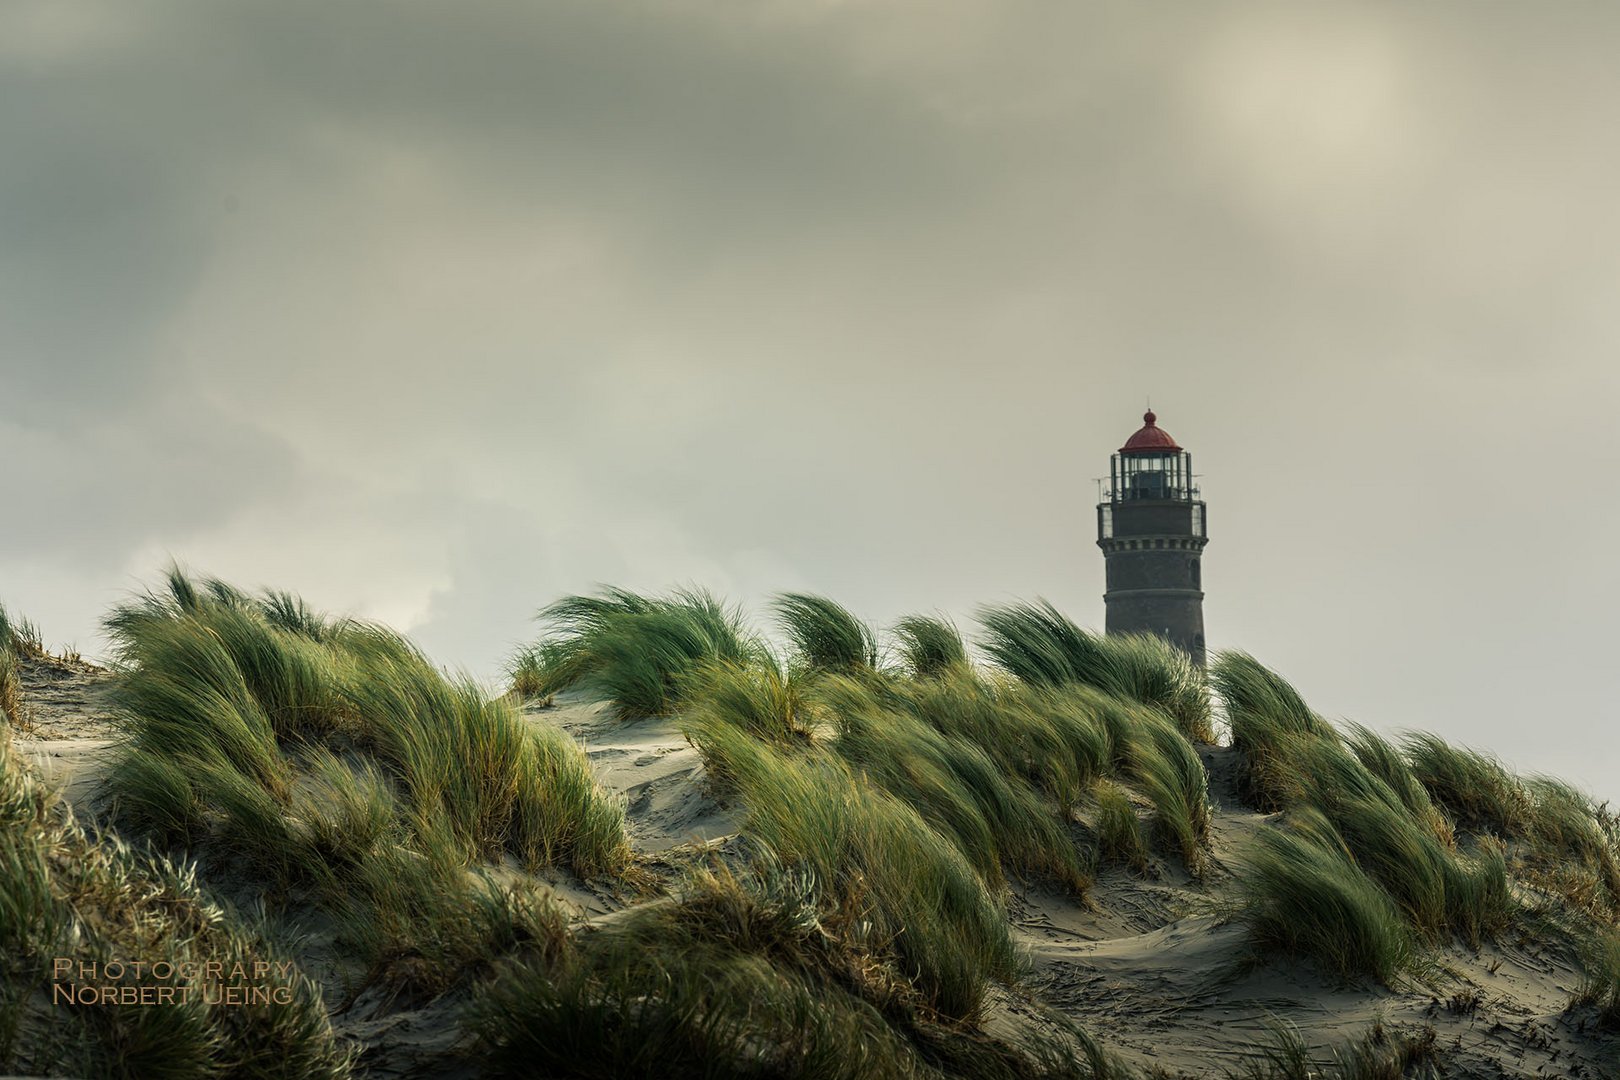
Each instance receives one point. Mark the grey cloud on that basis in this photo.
(438, 312)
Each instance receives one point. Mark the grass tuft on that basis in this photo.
(1040, 645)
(331, 759)
(751, 973)
(1308, 897)
(1267, 717)
(1169, 771)
(1119, 832)
(874, 852)
(11, 707)
(1600, 983)
(929, 646)
(90, 898)
(760, 699)
(1478, 792)
(825, 635)
(632, 650)
(1358, 797)
(995, 817)
(1378, 1055)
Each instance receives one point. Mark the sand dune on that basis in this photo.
(652, 765)
(1158, 965)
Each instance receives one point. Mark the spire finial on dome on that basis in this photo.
(1150, 439)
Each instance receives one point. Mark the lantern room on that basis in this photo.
(1151, 466)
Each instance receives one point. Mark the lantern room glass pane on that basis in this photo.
(1152, 476)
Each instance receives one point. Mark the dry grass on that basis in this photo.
(90, 898)
(13, 645)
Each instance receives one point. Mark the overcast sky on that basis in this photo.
(435, 312)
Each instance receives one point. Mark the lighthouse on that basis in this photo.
(1151, 527)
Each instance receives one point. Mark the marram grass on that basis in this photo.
(334, 757)
(1380, 1054)
(996, 816)
(1119, 831)
(861, 925)
(1266, 716)
(824, 634)
(764, 699)
(1057, 738)
(66, 892)
(632, 650)
(1040, 645)
(1386, 815)
(812, 811)
(1306, 895)
(929, 646)
(753, 974)
(11, 708)
(1169, 771)
(1561, 840)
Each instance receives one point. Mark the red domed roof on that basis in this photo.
(1151, 439)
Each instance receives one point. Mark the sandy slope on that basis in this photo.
(1161, 968)
(660, 775)
(1157, 966)
(69, 723)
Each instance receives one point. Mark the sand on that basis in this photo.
(1158, 966)
(651, 764)
(68, 726)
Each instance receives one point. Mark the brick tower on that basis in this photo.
(1151, 528)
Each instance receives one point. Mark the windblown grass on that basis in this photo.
(1119, 832)
(994, 765)
(332, 756)
(11, 708)
(914, 797)
(825, 635)
(21, 636)
(1062, 740)
(499, 785)
(929, 646)
(762, 699)
(1476, 789)
(1058, 739)
(1148, 669)
(1600, 985)
(745, 975)
(632, 650)
(871, 849)
(1169, 771)
(1307, 896)
(1378, 1055)
(1267, 717)
(65, 893)
(1381, 758)
(997, 763)
(1573, 847)
(1357, 797)
(994, 815)
(424, 923)
(1254, 694)
(1040, 645)
(1562, 842)
(534, 670)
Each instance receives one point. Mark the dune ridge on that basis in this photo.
(858, 855)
